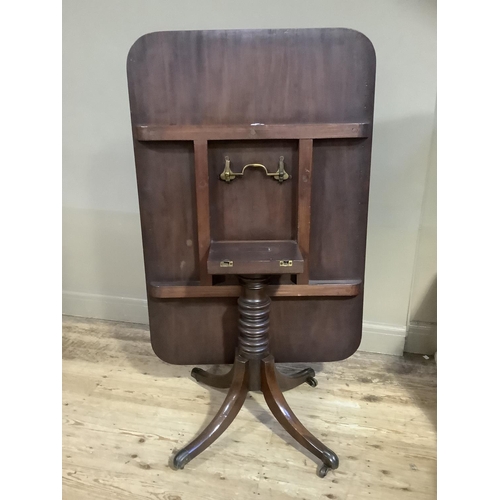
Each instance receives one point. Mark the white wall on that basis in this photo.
(422, 314)
(102, 254)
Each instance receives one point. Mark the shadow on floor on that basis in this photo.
(419, 377)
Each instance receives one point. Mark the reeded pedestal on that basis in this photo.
(254, 369)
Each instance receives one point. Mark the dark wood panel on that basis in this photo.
(205, 330)
(245, 132)
(255, 257)
(339, 209)
(202, 207)
(315, 329)
(166, 185)
(304, 204)
(185, 331)
(239, 77)
(252, 207)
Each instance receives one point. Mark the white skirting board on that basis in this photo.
(421, 338)
(377, 337)
(383, 338)
(113, 308)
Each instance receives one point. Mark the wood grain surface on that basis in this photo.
(253, 96)
(202, 207)
(125, 412)
(177, 290)
(258, 131)
(255, 257)
(304, 189)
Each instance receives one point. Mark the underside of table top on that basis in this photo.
(199, 98)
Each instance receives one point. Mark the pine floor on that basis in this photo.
(125, 412)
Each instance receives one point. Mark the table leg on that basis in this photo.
(292, 380)
(226, 414)
(212, 380)
(285, 416)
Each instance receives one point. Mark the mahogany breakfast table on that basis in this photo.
(252, 152)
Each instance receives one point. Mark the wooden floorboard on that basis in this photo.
(125, 412)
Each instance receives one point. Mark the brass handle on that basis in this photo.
(280, 175)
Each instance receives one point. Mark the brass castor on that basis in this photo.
(312, 382)
(331, 463)
(181, 459)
